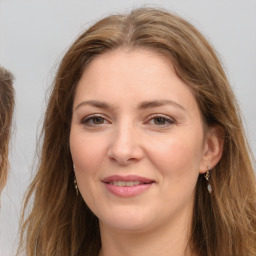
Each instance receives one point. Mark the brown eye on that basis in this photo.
(160, 121)
(97, 120)
(94, 121)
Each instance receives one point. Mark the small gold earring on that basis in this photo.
(207, 177)
(76, 187)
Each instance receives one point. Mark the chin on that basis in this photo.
(128, 220)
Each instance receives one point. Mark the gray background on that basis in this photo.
(34, 35)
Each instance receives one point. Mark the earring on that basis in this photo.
(75, 185)
(207, 177)
(75, 182)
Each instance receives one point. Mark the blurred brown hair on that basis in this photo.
(224, 223)
(6, 112)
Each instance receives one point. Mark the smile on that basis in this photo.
(125, 183)
(127, 186)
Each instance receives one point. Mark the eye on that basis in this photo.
(97, 120)
(94, 120)
(161, 120)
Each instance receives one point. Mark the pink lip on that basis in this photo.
(127, 178)
(127, 191)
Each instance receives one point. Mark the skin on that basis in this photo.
(145, 122)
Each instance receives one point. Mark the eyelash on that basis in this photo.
(168, 121)
(88, 121)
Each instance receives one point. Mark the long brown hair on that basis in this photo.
(224, 223)
(6, 112)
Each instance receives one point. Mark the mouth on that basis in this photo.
(127, 186)
(125, 183)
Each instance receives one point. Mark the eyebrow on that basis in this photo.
(159, 103)
(95, 103)
(143, 105)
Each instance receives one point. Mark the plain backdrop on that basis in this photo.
(34, 35)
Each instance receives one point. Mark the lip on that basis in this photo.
(127, 191)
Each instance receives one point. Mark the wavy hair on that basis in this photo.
(224, 223)
(6, 113)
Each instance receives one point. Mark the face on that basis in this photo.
(137, 141)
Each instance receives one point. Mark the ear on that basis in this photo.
(213, 148)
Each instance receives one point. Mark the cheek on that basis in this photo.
(87, 156)
(177, 155)
(178, 162)
(87, 151)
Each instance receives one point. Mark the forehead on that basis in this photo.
(139, 75)
(144, 59)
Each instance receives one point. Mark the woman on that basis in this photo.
(143, 148)
(6, 111)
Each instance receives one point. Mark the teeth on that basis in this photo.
(125, 183)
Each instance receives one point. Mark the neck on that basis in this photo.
(168, 240)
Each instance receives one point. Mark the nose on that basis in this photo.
(125, 145)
